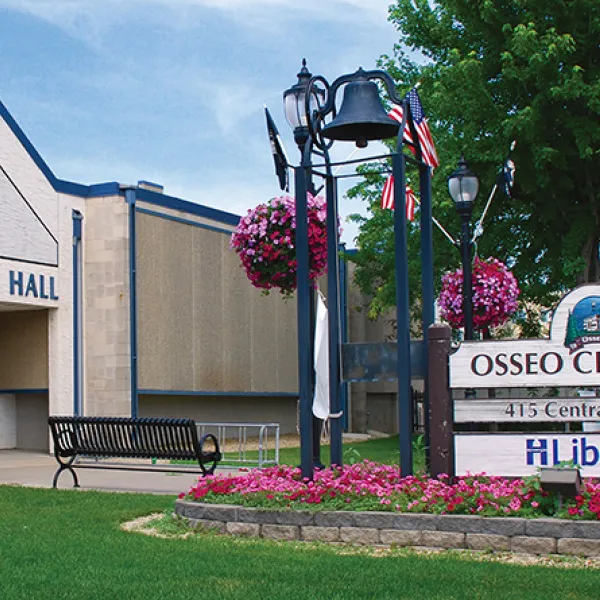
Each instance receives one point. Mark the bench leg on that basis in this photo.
(206, 458)
(65, 468)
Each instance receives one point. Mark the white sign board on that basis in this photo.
(527, 410)
(571, 357)
(517, 455)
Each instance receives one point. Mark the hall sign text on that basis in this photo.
(32, 285)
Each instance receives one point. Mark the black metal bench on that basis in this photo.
(122, 437)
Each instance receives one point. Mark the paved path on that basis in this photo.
(36, 469)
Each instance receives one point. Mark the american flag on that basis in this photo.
(425, 140)
(387, 198)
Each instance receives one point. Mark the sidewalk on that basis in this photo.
(35, 469)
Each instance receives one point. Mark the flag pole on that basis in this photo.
(478, 230)
(439, 226)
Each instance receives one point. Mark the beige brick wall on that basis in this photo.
(201, 325)
(106, 307)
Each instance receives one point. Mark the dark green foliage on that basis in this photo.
(493, 72)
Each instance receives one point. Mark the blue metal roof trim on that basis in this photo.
(186, 206)
(20, 135)
(59, 185)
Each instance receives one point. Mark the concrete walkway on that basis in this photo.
(36, 469)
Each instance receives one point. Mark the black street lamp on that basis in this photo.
(463, 186)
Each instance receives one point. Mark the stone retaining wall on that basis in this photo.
(528, 536)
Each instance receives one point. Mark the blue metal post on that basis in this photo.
(77, 316)
(305, 359)
(428, 314)
(130, 197)
(405, 411)
(333, 293)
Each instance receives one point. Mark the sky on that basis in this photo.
(172, 91)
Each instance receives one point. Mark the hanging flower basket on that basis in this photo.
(265, 242)
(495, 294)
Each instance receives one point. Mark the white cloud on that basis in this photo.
(87, 18)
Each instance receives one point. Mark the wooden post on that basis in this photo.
(440, 402)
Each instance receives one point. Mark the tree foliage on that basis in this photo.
(491, 71)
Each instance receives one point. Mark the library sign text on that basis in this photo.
(526, 410)
(571, 357)
(522, 454)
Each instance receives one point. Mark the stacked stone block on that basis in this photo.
(527, 536)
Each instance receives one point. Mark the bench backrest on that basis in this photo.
(125, 437)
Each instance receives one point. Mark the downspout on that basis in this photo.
(77, 315)
(344, 333)
(130, 198)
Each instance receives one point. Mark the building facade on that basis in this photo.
(121, 300)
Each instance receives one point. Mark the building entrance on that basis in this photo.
(24, 384)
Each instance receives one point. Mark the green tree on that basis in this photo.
(491, 71)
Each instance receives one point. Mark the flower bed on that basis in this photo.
(370, 486)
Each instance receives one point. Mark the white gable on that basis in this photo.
(23, 235)
(28, 205)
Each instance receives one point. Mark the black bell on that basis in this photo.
(362, 117)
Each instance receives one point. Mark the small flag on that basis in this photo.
(279, 155)
(387, 198)
(508, 177)
(425, 140)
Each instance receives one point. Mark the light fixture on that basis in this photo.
(294, 100)
(561, 480)
(463, 186)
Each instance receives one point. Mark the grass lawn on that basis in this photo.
(383, 450)
(64, 544)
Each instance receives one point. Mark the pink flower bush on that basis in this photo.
(265, 242)
(587, 504)
(495, 294)
(373, 486)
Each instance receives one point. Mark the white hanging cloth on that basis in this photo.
(321, 361)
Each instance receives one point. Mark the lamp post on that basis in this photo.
(463, 186)
(294, 103)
